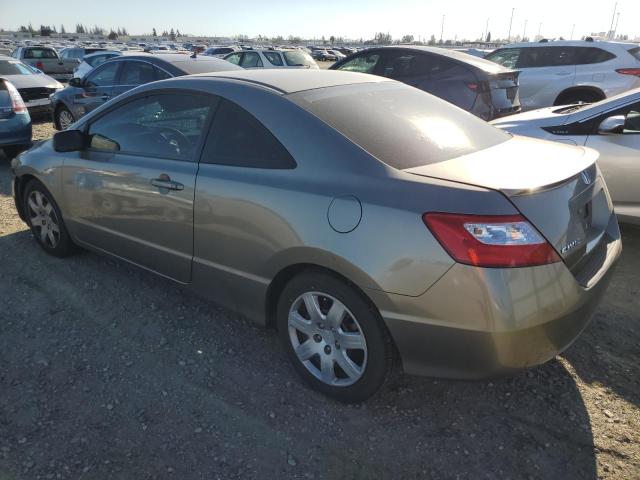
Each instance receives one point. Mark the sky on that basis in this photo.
(355, 19)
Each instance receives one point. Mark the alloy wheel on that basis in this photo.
(43, 219)
(65, 119)
(327, 339)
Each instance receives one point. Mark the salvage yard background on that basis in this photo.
(107, 371)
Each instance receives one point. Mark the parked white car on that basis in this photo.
(567, 72)
(281, 58)
(89, 62)
(612, 127)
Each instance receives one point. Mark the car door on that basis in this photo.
(620, 161)
(545, 73)
(130, 193)
(134, 73)
(96, 88)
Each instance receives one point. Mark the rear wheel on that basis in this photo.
(63, 118)
(45, 220)
(578, 96)
(334, 337)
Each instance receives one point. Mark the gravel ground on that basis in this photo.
(108, 372)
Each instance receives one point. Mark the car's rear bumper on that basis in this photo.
(482, 322)
(15, 130)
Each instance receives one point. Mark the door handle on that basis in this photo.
(106, 97)
(163, 181)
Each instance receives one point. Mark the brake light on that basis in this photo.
(503, 241)
(472, 86)
(17, 104)
(39, 66)
(629, 71)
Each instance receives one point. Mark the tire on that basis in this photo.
(313, 342)
(578, 96)
(13, 150)
(45, 220)
(63, 118)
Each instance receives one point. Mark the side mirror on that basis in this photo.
(68, 141)
(612, 125)
(75, 82)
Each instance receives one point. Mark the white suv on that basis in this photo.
(567, 72)
(272, 58)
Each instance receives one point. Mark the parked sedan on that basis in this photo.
(476, 85)
(611, 126)
(89, 62)
(15, 122)
(272, 58)
(34, 86)
(120, 74)
(355, 214)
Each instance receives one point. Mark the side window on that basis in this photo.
(251, 60)
(415, 65)
(239, 139)
(234, 58)
(274, 58)
(589, 55)
(632, 120)
(64, 54)
(365, 63)
(161, 74)
(547, 57)
(103, 76)
(635, 52)
(136, 73)
(165, 126)
(507, 57)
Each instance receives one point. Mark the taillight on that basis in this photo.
(40, 66)
(629, 71)
(17, 104)
(472, 86)
(491, 240)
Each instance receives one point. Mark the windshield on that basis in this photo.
(400, 125)
(297, 58)
(14, 67)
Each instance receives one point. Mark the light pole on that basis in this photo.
(613, 17)
(510, 23)
(486, 30)
(442, 29)
(572, 30)
(615, 29)
(539, 28)
(524, 32)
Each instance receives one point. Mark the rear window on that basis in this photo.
(14, 67)
(39, 53)
(635, 52)
(400, 125)
(296, 58)
(203, 65)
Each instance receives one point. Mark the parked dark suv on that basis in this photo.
(120, 74)
(471, 83)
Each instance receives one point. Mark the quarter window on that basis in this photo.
(165, 126)
(589, 55)
(240, 140)
(103, 76)
(507, 57)
(365, 63)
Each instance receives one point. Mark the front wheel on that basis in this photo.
(45, 220)
(63, 118)
(334, 337)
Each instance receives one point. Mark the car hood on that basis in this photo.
(32, 81)
(517, 165)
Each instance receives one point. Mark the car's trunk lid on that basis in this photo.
(556, 187)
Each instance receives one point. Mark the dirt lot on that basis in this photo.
(108, 372)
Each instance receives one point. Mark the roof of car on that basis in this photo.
(570, 43)
(477, 62)
(293, 80)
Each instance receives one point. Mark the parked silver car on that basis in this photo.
(357, 215)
